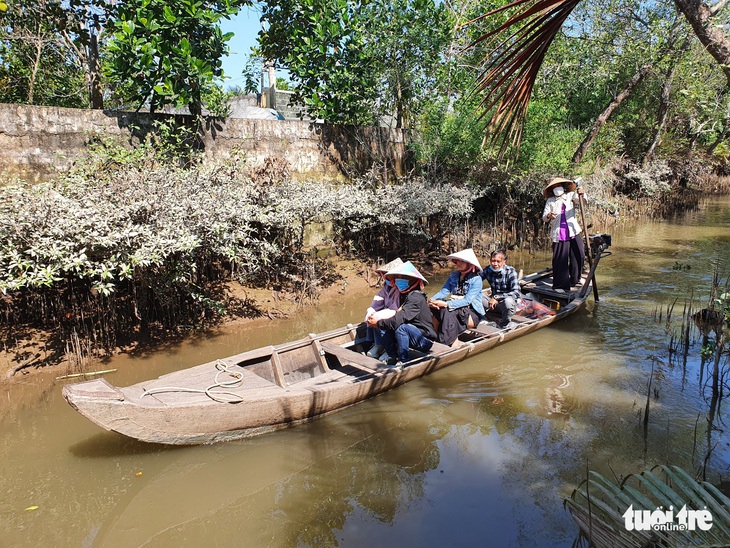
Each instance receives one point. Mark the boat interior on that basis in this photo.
(344, 350)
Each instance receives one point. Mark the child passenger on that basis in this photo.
(411, 326)
(384, 305)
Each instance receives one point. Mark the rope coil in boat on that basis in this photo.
(221, 396)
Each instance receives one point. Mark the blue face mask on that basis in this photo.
(388, 282)
(494, 269)
(402, 284)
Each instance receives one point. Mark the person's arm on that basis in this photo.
(547, 214)
(447, 289)
(379, 300)
(473, 292)
(577, 194)
(404, 314)
(437, 301)
(514, 284)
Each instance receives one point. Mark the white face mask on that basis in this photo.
(558, 191)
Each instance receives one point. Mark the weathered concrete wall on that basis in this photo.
(36, 143)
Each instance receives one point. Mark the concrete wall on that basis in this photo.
(36, 143)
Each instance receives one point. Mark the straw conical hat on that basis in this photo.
(395, 263)
(567, 183)
(407, 270)
(466, 255)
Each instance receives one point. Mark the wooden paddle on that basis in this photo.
(586, 238)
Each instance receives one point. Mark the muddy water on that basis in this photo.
(479, 454)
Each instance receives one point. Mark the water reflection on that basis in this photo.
(479, 453)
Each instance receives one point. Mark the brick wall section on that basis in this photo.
(36, 142)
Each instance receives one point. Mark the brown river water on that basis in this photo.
(479, 454)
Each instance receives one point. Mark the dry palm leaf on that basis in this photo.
(513, 62)
(598, 506)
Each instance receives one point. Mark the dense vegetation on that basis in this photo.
(123, 246)
(626, 95)
(621, 78)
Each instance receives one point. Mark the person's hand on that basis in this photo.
(372, 322)
(436, 303)
(492, 303)
(579, 190)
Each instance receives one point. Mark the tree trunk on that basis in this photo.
(96, 95)
(724, 135)
(398, 104)
(36, 65)
(711, 36)
(604, 116)
(662, 115)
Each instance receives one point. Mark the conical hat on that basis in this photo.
(407, 270)
(395, 263)
(567, 183)
(466, 255)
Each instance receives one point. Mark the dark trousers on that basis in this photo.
(568, 259)
(453, 323)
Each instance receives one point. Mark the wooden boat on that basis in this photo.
(283, 385)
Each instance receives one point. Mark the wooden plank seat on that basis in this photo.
(371, 365)
(258, 354)
(484, 329)
(350, 357)
(439, 348)
(521, 319)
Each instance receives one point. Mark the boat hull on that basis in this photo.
(276, 387)
(181, 418)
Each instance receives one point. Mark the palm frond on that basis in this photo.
(597, 506)
(513, 63)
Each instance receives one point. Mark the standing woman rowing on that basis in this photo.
(568, 250)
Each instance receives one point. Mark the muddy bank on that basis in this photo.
(26, 350)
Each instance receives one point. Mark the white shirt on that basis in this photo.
(555, 205)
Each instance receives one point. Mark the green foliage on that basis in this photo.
(406, 41)
(173, 142)
(323, 45)
(129, 235)
(168, 52)
(36, 65)
(283, 84)
(449, 144)
(216, 100)
(252, 75)
(353, 61)
(549, 141)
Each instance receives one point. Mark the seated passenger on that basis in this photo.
(384, 305)
(464, 308)
(503, 280)
(412, 325)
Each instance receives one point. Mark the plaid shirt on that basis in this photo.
(504, 283)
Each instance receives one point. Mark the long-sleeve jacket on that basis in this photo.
(387, 297)
(554, 205)
(414, 310)
(472, 292)
(503, 283)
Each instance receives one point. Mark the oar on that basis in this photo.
(586, 238)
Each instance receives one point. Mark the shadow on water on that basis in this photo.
(111, 444)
